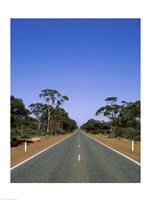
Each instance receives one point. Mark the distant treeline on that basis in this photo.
(123, 120)
(41, 119)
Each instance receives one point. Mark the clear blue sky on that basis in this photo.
(86, 59)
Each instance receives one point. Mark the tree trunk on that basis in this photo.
(39, 124)
(48, 123)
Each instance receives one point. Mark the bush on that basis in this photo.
(57, 131)
(63, 132)
(15, 133)
(131, 133)
(95, 131)
(26, 134)
(37, 132)
(116, 131)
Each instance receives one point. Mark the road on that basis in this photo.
(77, 159)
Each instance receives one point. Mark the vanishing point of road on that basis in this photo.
(77, 159)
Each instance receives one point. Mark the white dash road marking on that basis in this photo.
(79, 145)
(79, 157)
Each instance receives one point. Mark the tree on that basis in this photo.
(59, 117)
(19, 113)
(111, 100)
(110, 110)
(37, 109)
(130, 114)
(53, 99)
(124, 119)
(95, 126)
(69, 124)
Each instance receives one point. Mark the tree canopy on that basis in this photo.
(46, 118)
(53, 100)
(50, 118)
(123, 120)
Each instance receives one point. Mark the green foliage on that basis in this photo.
(19, 113)
(25, 126)
(20, 134)
(96, 127)
(124, 120)
(131, 133)
(15, 132)
(56, 131)
(36, 132)
(53, 101)
(29, 134)
(111, 100)
(53, 97)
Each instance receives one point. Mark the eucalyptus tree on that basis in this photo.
(124, 119)
(110, 110)
(59, 117)
(111, 100)
(19, 113)
(130, 114)
(37, 109)
(69, 124)
(53, 100)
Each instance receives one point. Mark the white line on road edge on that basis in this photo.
(114, 150)
(39, 153)
(79, 157)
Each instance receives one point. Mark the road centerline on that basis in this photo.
(98, 165)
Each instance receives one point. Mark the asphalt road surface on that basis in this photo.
(77, 159)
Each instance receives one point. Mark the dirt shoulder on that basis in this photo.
(120, 144)
(18, 153)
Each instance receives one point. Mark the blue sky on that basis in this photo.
(86, 59)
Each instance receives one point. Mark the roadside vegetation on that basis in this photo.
(122, 120)
(40, 119)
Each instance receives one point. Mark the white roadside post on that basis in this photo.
(132, 145)
(25, 146)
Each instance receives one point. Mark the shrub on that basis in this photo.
(15, 132)
(131, 133)
(56, 131)
(51, 132)
(25, 135)
(117, 131)
(95, 131)
(36, 132)
(63, 132)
